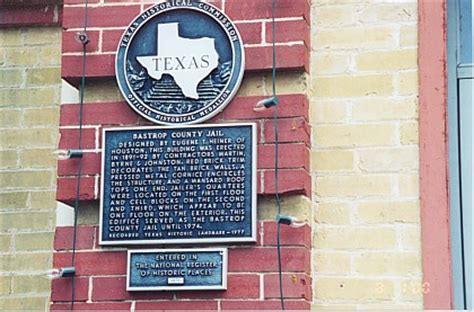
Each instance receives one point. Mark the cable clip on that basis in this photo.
(67, 154)
(82, 37)
(266, 103)
(289, 220)
(62, 272)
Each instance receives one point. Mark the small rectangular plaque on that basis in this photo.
(177, 269)
(187, 184)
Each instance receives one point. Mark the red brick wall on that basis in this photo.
(30, 13)
(294, 138)
(252, 275)
(250, 17)
(252, 268)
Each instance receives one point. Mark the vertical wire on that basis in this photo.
(273, 51)
(79, 170)
(275, 125)
(461, 217)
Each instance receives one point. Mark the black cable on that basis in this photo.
(275, 125)
(461, 217)
(278, 203)
(84, 40)
(78, 182)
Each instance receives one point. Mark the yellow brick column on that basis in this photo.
(365, 154)
(29, 111)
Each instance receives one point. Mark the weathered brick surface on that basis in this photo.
(69, 138)
(289, 130)
(112, 288)
(290, 156)
(251, 33)
(111, 39)
(177, 305)
(107, 289)
(61, 289)
(238, 10)
(108, 280)
(289, 58)
(265, 305)
(29, 110)
(33, 241)
(63, 237)
(66, 189)
(94, 306)
(293, 57)
(90, 165)
(239, 286)
(288, 31)
(288, 236)
(26, 303)
(292, 24)
(98, 66)
(291, 105)
(70, 43)
(290, 181)
(293, 154)
(29, 284)
(241, 107)
(111, 262)
(245, 279)
(293, 259)
(31, 14)
(297, 286)
(364, 156)
(100, 16)
(353, 288)
(99, 114)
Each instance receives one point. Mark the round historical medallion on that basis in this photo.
(180, 62)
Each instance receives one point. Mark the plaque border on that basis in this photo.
(251, 239)
(223, 286)
(119, 71)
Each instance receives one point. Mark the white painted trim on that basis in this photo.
(69, 94)
(64, 215)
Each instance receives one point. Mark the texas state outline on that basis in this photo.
(188, 61)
